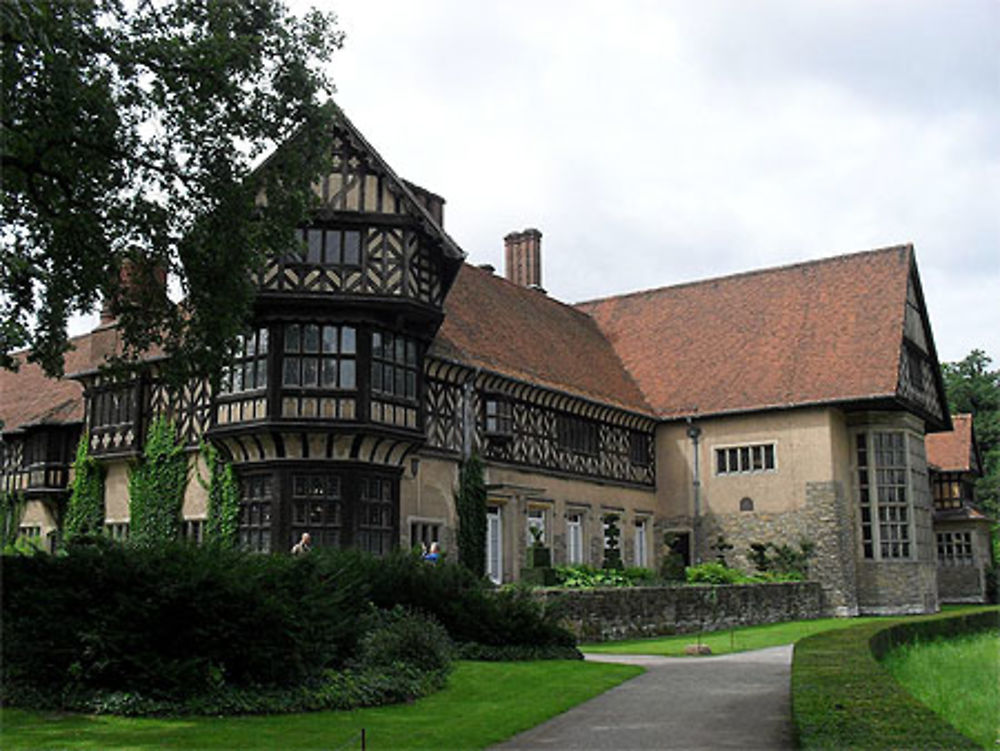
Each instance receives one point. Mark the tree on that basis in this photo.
(85, 512)
(130, 131)
(975, 389)
(470, 503)
(156, 487)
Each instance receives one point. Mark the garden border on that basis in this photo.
(842, 697)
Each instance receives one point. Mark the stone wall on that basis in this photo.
(961, 584)
(633, 612)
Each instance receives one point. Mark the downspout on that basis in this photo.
(694, 433)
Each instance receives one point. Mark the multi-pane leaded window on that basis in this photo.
(255, 512)
(638, 448)
(949, 491)
(375, 516)
(883, 495)
(954, 548)
(734, 460)
(316, 508)
(395, 363)
(331, 247)
(577, 434)
(248, 371)
(499, 417)
(319, 356)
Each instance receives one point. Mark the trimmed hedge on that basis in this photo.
(179, 628)
(843, 698)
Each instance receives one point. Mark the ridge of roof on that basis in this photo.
(853, 255)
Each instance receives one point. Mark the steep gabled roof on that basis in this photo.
(494, 324)
(954, 450)
(29, 397)
(819, 332)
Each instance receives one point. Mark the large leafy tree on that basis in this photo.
(974, 388)
(131, 137)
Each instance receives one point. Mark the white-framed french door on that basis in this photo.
(494, 544)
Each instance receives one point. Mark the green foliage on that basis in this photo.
(842, 698)
(483, 704)
(722, 548)
(404, 636)
(612, 533)
(85, 512)
(781, 559)
(222, 526)
(712, 572)
(671, 562)
(174, 621)
(583, 576)
(181, 628)
(470, 609)
(156, 487)
(517, 652)
(129, 134)
(975, 389)
(11, 512)
(470, 504)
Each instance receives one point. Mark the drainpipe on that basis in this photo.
(694, 433)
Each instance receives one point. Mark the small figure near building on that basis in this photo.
(302, 546)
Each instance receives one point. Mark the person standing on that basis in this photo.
(302, 546)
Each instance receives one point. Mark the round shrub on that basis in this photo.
(404, 636)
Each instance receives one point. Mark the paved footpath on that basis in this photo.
(739, 701)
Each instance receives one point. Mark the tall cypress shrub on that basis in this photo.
(156, 487)
(223, 498)
(471, 505)
(85, 511)
(11, 512)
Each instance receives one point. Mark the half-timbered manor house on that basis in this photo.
(781, 405)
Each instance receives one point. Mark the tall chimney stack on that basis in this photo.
(523, 258)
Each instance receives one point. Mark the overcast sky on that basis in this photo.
(659, 142)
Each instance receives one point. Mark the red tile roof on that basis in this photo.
(952, 451)
(817, 332)
(29, 397)
(494, 324)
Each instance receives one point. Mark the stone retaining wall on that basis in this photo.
(609, 614)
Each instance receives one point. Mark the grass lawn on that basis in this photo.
(740, 639)
(957, 678)
(483, 703)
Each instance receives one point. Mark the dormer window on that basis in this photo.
(499, 419)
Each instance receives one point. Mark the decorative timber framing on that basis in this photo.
(534, 437)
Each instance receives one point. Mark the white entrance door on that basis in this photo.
(574, 538)
(494, 544)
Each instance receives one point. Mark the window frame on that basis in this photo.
(578, 435)
(886, 523)
(499, 409)
(745, 459)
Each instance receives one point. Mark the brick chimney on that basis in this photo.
(134, 281)
(523, 258)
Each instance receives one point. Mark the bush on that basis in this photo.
(404, 636)
(469, 608)
(713, 572)
(174, 621)
(582, 575)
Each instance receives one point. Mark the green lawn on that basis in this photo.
(482, 704)
(742, 639)
(957, 678)
(724, 642)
